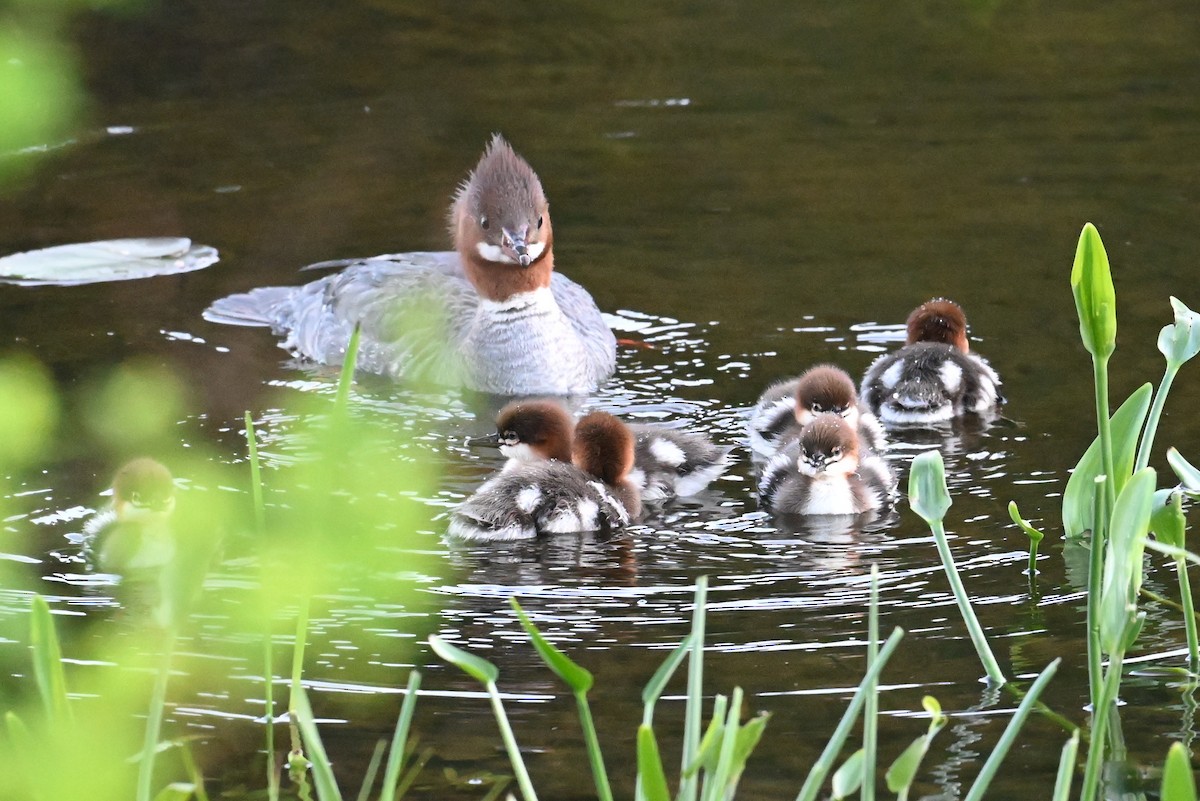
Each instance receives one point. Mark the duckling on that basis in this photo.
(789, 405)
(134, 531)
(935, 377)
(668, 463)
(539, 498)
(825, 471)
(491, 315)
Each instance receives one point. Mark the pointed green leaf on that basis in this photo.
(1180, 341)
(710, 743)
(476, 667)
(1123, 563)
(1178, 784)
(47, 662)
(1167, 520)
(1126, 425)
(848, 778)
(900, 775)
(652, 779)
(927, 492)
(1187, 472)
(1095, 297)
(577, 678)
(747, 740)
(1066, 768)
(176, 791)
(1015, 514)
(658, 682)
(322, 770)
(395, 759)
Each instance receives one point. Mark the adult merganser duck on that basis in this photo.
(532, 499)
(935, 377)
(134, 531)
(668, 463)
(789, 405)
(491, 315)
(825, 471)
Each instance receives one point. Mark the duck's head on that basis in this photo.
(828, 447)
(531, 430)
(939, 320)
(501, 225)
(826, 388)
(143, 490)
(603, 447)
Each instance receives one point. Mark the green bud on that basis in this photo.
(1095, 297)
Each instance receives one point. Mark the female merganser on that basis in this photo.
(590, 493)
(825, 471)
(668, 463)
(789, 405)
(491, 315)
(134, 531)
(934, 377)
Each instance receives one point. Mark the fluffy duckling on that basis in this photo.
(134, 531)
(540, 498)
(935, 377)
(789, 405)
(668, 463)
(825, 471)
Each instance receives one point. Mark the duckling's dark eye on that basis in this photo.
(816, 407)
(539, 222)
(836, 453)
(483, 223)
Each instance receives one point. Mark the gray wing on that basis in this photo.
(588, 323)
(773, 418)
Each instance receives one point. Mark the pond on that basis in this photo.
(748, 190)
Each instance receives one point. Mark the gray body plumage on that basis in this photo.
(929, 382)
(773, 420)
(538, 499)
(422, 318)
(783, 489)
(669, 463)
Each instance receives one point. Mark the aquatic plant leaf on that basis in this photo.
(1187, 472)
(395, 758)
(848, 778)
(1066, 768)
(658, 682)
(1178, 783)
(652, 779)
(903, 770)
(747, 740)
(1126, 424)
(927, 492)
(176, 791)
(710, 743)
(322, 771)
(579, 679)
(107, 260)
(1127, 532)
(1180, 341)
(1095, 297)
(1015, 515)
(1167, 520)
(47, 662)
(479, 669)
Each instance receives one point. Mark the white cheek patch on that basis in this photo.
(521, 452)
(667, 452)
(891, 376)
(498, 254)
(528, 498)
(951, 375)
(535, 250)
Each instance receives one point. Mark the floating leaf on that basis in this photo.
(1126, 425)
(1095, 296)
(107, 260)
(1180, 341)
(1178, 784)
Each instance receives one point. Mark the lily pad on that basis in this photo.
(108, 260)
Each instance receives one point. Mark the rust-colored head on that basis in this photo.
(828, 445)
(939, 320)
(143, 487)
(603, 447)
(500, 221)
(825, 388)
(532, 430)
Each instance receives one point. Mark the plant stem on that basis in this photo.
(1189, 615)
(688, 785)
(1099, 740)
(1156, 409)
(510, 744)
(1095, 577)
(154, 718)
(1104, 425)
(595, 757)
(994, 674)
(871, 713)
(269, 704)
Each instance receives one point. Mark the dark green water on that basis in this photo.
(760, 187)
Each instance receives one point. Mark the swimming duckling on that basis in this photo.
(935, 377)
(789, 405)
(668, 463)
(134, 531)
(539, 498)
(825, 471)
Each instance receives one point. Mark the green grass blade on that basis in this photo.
(477, 668)
(322, 771)
(1178, 783)
(576, 677)
(346, 379)
(694, 712)
(717, 784)
(47, 662)
(1066, 768)
(710, 743)
(849, 777)
(651, 778)
(658, 682)
(871, 714)
(1126, 424)
(364, 792)
(816, 776)
(395, 760)
(154, 718)
(988, 771)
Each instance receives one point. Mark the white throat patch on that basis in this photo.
(494, 253)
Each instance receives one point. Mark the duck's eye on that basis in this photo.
(816, 407)
(844, 412)
(539, 222)
(835, 454)
(483, 223)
